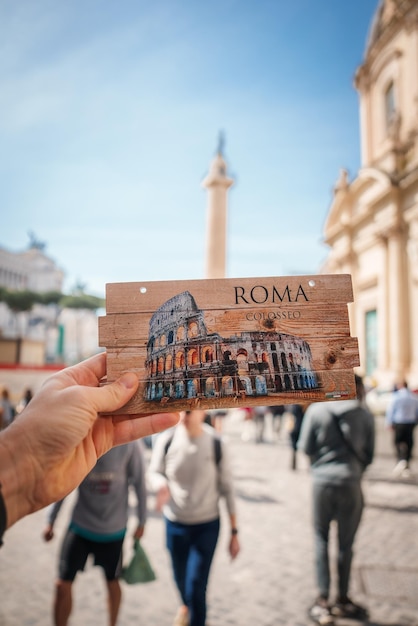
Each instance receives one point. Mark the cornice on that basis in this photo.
(369, 283)
(405, 16)
(408, 178)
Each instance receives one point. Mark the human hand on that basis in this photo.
(162, 497)
(139, 532)
(48, 533)
(53, 444)
(234, 547)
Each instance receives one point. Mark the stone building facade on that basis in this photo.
(184, 360)
(67, 335)
(31, 269)
(372, 225)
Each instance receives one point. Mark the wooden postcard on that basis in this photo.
(235, 342)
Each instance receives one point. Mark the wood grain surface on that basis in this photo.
(231, 342)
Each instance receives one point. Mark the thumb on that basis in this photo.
(114, 395)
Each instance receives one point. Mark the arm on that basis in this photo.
(60, 435)
(137, 474)
(307, 439)
(156, 472)
(370, 443)
(226, 488)
(390, 413)
(48, 533)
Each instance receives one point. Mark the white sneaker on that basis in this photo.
(400, 467)
(320, 613)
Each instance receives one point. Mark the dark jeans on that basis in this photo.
(192, 547)
(404, 441)
(344, 504)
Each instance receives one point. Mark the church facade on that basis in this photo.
(372, 224)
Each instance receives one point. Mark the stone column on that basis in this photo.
(398, 304)
(413, 290)
(383, 330)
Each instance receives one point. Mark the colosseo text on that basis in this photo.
(261, 316)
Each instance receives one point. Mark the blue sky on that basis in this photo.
(110, 114)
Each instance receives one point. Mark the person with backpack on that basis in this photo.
(189, 472)
(339, 439)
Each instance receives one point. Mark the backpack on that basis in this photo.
(216, 445)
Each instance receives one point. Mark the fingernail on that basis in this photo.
(129, 380)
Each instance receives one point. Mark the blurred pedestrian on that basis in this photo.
(248, 425)
(277, 413)
(402, 416)
(7, 410)
(216, 418)
(297, 412)
(190, 471)
(26, 398)
(338, 437)
(259, 413)
(98, 525)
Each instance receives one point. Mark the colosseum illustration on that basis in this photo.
(185, 361)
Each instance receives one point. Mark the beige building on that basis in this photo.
(372, 225)
(45, 333)
(31, 269)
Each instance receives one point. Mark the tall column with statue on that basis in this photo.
(217, 184)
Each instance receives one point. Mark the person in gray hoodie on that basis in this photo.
(98, 525)
(338, 437)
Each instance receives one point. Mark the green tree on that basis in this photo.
(24, 300)
(49, 297)
(19, 301)
(82, 301)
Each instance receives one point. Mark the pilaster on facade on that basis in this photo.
(383, 329)
(398, 304)
(412, 259)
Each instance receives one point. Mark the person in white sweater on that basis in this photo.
(190, 471)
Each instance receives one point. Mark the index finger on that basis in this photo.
(89, 372)
(129, 427)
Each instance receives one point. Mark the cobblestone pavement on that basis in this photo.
(272, 581)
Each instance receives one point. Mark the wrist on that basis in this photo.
(3, 517)
(234, 531)
(15, 478)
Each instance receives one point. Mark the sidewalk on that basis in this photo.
(272, 581)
